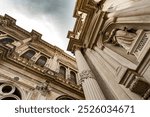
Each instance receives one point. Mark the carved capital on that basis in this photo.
(85, 75)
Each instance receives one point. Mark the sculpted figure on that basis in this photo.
(121, 37)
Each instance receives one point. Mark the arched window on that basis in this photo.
(41, 61)
(6, 40)
(28, 54)
(62, 71)
(73, 76)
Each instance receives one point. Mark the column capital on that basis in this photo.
(87, 78)
(85, 75)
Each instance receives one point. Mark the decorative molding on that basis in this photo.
(140, 45)
(3, 22)
(44, 88)
(6, 21)
(85, 75)
(12, 57)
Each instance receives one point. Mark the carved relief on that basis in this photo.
(141, 87)
(121, 37)
(141, 45)
(86, 74)
(44, 88)
(3, 22)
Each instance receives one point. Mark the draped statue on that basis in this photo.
(121, 37)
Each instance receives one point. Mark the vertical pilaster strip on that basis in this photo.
(99, 64)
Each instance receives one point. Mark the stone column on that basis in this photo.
(90, 86)
(107, 76)
(110, 62)
(137, 9)
(120, 59)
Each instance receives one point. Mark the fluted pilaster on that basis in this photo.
(109, 79)
(137, 9)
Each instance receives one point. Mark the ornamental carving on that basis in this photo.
(3, 21)
(142, 43)
(123, 37)
(140, 87)
(8, 92)
(86, 74)
(44, 88)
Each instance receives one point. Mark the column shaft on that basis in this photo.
(108, 78)
(90, 86)
(137, 9)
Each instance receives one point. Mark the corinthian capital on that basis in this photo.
(86, 74)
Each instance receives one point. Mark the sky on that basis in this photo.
(52, 18)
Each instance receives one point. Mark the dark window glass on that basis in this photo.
(73, 76)
(62, 71)
(41, 61)
(6, 41)
(28, 54)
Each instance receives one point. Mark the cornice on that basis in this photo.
(57, 50)
(89, 32)
(44, 73)
(36, 36)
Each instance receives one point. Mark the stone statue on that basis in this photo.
(121, 37)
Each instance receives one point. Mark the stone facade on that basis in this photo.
(111, 40)
(32, 69)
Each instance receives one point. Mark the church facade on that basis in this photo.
(111, 43)
(32, 69)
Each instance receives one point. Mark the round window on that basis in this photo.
(7, 89)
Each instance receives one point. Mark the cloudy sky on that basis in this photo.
(51, 18)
